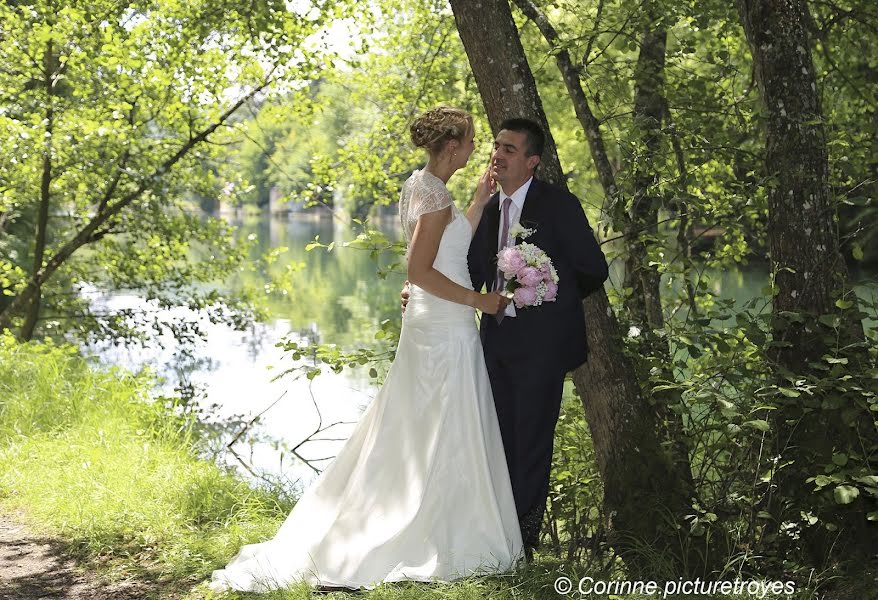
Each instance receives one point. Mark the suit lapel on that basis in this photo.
(532, 209)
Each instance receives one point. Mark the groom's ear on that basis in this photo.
(533, 161)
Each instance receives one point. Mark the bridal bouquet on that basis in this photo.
(530, 276)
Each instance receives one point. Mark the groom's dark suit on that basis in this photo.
(529, 355)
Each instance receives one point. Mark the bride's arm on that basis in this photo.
(422, 253)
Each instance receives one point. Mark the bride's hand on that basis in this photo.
(492, 303)
(404, 295)
(485, 189)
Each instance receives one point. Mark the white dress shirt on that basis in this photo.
(518, 197)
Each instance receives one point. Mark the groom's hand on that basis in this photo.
(404, 295)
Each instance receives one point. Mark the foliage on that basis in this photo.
(274, 145)
(575, 530)
(733, 399)
(413, 65)
(346, 144)
(845, 62)
(106, 118)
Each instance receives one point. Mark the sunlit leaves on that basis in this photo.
(109, 92)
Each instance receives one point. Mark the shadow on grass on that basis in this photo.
(35, 566)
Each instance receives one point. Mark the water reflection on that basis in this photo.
(335, 297)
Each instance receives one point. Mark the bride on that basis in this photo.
(420, 491)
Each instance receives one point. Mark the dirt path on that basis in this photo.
(33, 567)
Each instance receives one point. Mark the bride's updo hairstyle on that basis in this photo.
(438, 125)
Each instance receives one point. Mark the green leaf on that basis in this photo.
(857, 251)
(843, 304)
(822, 481)
(760, 424)
(845, 494)
(808, 518)
(840, 458)
(830, 320)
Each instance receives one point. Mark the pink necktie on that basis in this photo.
(504, 241)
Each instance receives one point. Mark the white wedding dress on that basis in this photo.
(420, 491)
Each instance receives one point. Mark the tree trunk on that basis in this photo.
(806, 263)
(645, 307)
(641, 494)
(641, 229)
(803, 241)
(33, 312)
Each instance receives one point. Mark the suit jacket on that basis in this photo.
(555, 329)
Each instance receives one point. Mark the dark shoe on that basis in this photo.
(530, 524)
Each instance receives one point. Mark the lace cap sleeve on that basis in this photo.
(421, 195)
(427, 200)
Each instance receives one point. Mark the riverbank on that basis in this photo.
(111, 495)
(88, 458)
(94, 470)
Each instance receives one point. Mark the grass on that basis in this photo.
(87, 456)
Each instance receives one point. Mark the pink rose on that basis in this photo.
(529, 276)
(524, 296)
(551, 291)
(509, 261)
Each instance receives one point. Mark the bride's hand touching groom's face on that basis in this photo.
(485, 188)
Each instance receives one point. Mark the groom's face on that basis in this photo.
(511, 166)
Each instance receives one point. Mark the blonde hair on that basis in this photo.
(434, 128)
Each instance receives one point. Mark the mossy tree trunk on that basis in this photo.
(809, 274)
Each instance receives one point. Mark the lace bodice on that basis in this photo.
(422, 193)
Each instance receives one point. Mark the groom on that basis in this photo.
(529, 351)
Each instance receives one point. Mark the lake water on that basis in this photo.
(336, 297)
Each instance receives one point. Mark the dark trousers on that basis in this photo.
(527, 395)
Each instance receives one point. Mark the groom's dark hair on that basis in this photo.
(536, 139)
